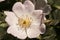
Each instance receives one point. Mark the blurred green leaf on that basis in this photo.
(9, 37)
(2, 32)
(56, 14)
(50, 2)
(57, 4)
(58, 26)
(2, 16)
(0, 21)
(3, 25)
(54, 22)
(50, 34)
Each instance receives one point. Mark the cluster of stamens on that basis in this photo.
(24, 23)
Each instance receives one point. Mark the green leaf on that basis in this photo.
(56, 14)
(3, 25)
(54, 22)
(2, 16)
(50, 34)
(57, 4)
(50, 2)
(2, 32)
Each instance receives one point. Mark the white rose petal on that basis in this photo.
(18, 8)
(29, 6)
(16, 31)
(33, 31)
(2, 0)
(37, 13)
(11, 18)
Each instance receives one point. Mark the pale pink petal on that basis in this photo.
(44, 18)
(42, 28)
(16, 31)
(2, 0)
(37, 13)
(18, 8)
(29, 6)
(11, 18)
(33, 31)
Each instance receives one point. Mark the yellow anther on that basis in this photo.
(24, 22)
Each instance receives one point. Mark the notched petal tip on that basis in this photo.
(18, 7)
(8, 13)
(29, 6)
(29, 2)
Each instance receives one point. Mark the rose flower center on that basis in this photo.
(24, 22)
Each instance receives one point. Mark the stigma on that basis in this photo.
(24, 22)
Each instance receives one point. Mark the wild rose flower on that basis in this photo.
(25, 21)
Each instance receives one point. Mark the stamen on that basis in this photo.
(25, 23)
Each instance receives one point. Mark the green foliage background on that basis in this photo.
(52, 27)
